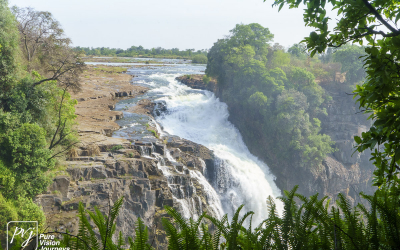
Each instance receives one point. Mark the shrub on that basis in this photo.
(116, 148)
(26, 154)
(206, 79)
(199, 59)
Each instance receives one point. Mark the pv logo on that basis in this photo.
(24, 231)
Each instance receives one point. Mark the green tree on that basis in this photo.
(9, 41)
(352, 65)
(25, 153)
(199, 59)
(280, 98)
(298, 50)
(374, 22)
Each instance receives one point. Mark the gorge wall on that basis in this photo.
(340, 172)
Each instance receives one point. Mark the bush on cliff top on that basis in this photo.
(199, 59)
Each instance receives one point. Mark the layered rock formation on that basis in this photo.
(130, 172)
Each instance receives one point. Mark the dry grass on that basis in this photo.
(73, 152)
(93, 150)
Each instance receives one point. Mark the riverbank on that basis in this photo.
(102, 87)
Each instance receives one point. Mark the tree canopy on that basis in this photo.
(282, 100)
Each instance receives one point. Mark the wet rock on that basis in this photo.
(160, 148)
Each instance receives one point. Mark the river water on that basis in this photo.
(197, 115)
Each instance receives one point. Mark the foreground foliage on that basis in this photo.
(376, 24)
(304, 223)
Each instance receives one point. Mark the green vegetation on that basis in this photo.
(201, 58)
(106, 228)
(140, 51)
(153, 132)
(115, 148)
(206, 79)
(305, 223)
(275, 90)
(36, 110)
(111, 70)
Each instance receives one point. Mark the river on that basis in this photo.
(197, 115)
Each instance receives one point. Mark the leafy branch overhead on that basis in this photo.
(374, 24)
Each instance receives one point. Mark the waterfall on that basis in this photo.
(239, 177)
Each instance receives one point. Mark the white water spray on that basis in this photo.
(200, 117)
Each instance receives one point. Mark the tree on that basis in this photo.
(9, 49)
(298, 50)
(201, 58)
(253, 35)
(46, 49)
(258, 81)
(374, 22)
(349, 57)
(25, 153)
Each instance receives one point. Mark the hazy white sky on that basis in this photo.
(179, 24)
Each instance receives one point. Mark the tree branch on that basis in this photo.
(380, 18)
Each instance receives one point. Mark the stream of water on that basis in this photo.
(197, 115)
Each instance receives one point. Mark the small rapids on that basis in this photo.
(238, 176)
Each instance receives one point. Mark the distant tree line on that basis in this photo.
(135, 51)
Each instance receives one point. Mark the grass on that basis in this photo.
(58, 170)
(111, 70)
(154, 132)
(116, 147)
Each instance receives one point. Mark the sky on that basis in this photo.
(183, 24)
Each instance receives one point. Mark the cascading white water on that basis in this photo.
(200, 117)
(238, 177)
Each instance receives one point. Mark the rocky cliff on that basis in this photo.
(130, 172)
(341, 172)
